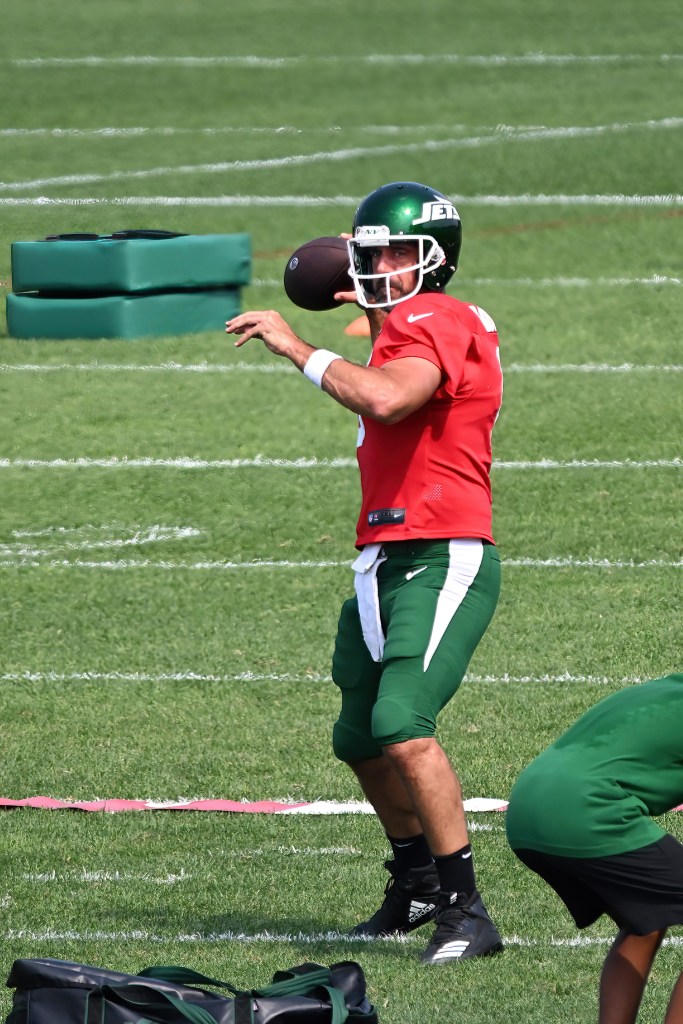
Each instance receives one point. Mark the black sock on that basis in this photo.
(411, 852)
(456, 871)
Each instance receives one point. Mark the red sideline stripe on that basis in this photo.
(112, 806)
(232, 806)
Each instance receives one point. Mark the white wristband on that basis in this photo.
(317, 365)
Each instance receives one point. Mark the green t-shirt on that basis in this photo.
(594, 791)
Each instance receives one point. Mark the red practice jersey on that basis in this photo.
(428, 476)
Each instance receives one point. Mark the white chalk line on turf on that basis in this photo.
(350, 153)
(287, 938)
(525, 199)
(285, 367)
(92, 539)
(285, 677)
(247, 61)
(121, 565)
(111, 132)
(311, 462)
(149, 130)
(534, 282)
(86, 877)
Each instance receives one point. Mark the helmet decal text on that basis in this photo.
(441, 210)
(372, 234)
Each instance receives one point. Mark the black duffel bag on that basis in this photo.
(51, 991)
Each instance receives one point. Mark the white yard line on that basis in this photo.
(105, 132)
(108, 132)
(85, 877)
(286, 938)
(311, 462)
(120, 565)
(286, 677)
(281, 63)
(285, 367)
(54, 540)
(238, 367)
(592, 368)
(296, 201)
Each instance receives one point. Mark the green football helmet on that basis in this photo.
(398, 212)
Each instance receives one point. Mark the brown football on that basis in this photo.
(316, 271)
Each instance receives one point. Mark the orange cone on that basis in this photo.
(359, 328)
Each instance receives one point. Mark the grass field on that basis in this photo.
(177, 518)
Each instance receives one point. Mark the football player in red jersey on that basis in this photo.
(427, 577)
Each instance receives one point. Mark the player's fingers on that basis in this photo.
(244, 335)
(345, 297)
(242, 320)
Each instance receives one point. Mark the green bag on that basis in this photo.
(51, 991)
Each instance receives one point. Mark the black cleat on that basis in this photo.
(410, 901)
(463, 930)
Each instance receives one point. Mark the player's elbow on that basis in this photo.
(388, 408)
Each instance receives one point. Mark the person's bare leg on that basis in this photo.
(624, 976)
(387, 793)
(413, 788)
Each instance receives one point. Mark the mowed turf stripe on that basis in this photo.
(350, 153)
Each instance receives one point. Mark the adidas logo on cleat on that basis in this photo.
(409, 902)
(418, 909)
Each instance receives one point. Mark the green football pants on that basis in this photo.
(436, 599)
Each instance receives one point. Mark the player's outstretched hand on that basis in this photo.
(267, 325)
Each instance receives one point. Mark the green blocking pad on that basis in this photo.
(105, 265)
(121, 316)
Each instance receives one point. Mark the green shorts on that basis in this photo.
(434, 612)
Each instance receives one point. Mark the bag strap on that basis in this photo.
(184, 976)
(289, 983)
(296, 982)
(340, 1010)
(316, 978)
(126, 994)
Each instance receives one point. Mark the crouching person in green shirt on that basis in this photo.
(580, 816)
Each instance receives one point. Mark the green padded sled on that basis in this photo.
(107, 265)
(121, 316)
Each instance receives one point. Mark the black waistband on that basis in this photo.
(417, 548)
(412, 547)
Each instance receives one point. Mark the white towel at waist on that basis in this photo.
(365, 581)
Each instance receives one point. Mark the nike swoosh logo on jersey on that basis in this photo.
(414, 572)
(414, 317)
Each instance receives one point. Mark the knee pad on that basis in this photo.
(349, 746)
(394, 721)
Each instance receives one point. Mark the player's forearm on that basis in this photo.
(365, 390)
